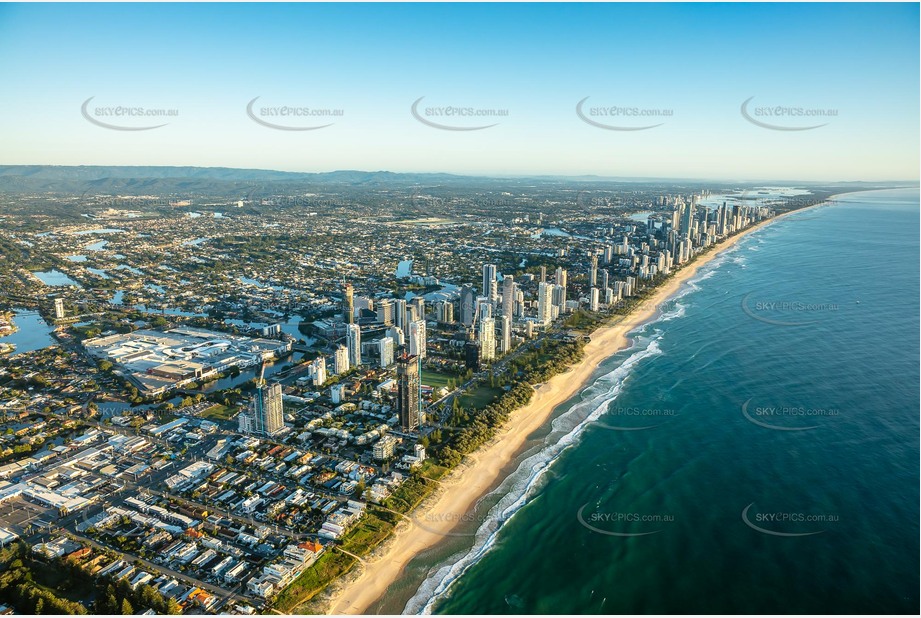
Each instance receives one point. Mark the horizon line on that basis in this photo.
(471, 175)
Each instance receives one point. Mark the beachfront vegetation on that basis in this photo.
(479, 397)
(487, 408)
(408, 496)
(474, 425)
(313, 580)
(431, 470)
(373, 528)
(583, 320)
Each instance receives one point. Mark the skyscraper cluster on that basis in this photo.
(506, 304)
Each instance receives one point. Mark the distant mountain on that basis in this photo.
(22, 178)
(98, 172)
(186, 180)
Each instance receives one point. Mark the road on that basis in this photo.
(228, 595)
(238, 518)
(190, 458)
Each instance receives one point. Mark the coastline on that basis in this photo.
(6, 318)
(469, 482)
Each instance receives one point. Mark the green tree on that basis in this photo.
(123, 588)
(126, 609)
(148, 597)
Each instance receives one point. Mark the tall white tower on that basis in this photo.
(353, 342)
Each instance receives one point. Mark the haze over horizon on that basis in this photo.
(461, 175)
(458, 309)
(707, 80)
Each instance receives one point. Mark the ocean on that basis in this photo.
(755, 451)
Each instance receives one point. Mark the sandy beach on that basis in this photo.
(480, 470)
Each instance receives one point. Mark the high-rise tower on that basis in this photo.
(409, 404)
(267, 416)
(489, 275)
(353, 343)
(348, 304)
(544, 303)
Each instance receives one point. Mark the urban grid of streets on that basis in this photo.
(181, 467)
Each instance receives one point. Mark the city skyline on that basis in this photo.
(459, 308)
(272, 376)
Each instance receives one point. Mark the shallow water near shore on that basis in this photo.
(775, 398)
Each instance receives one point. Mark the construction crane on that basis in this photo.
(471, 333)
(261, 380)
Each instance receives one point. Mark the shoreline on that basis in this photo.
(6, 318)
(465, 485)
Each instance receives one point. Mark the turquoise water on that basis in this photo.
(756, 451)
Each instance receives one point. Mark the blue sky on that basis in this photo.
(696, 63)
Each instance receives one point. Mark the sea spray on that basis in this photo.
(712, 470)
(518, 487)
